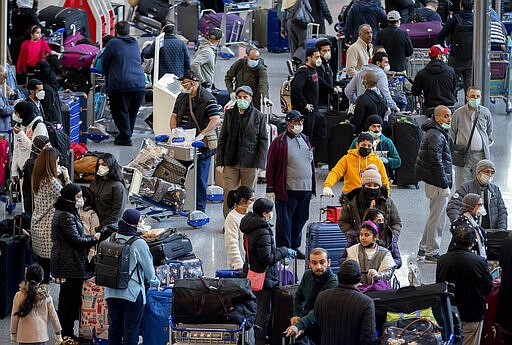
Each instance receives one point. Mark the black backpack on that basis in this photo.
(462, 38)
(59, 139)
(113, 263)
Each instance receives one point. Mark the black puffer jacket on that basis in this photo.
(438, 83)
(263, 253)
(434, 162)
(70, 245)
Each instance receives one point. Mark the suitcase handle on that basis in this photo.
(322, 208)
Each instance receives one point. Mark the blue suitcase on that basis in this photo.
(275, 43)
(71, 116)
(327, 235)
(157, 310)
(82, 97)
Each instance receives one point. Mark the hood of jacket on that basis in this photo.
(206, 44)
(127, 38)
(435, 66)
(432, 124)
(252, 222)
(375, 96)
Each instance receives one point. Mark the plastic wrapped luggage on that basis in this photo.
(213, 20)
(93, 312)
(406, 135)
(71, 19)
(163, 192)
(275, 43)
(423, 34)
(155, 9)
(171, 170)
(157, 310)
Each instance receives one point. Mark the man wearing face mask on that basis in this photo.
(379, 65)
(197, 108)
(290, 177)
(475, 141)
(203, 63)
(36, 94)
(243, 143)
(249, 71)
(353, 164)
(496, 211)
(434, 167)
(396, 42)
(326, 78)
(470, 213)
(436, 82)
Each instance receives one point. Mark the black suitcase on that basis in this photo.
(188, 21)
(71, 19)
(169, 248)
(406, 136)
(410, 299)
(495, 240)
(154, 9)
(279, 122)
(339, 141)
(332, 116)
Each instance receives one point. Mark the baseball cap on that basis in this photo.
(244, 88)
(189, 75)
(294, 115)
(437, 49)
(394, 16)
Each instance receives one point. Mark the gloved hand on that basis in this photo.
(199, 137)
(270, 196)
(338, 90)
(373, 274)
(292, 253)
(58, 339)
(384, 160)
(153, 283)
(294, 320)
(97, 236)
(310, 107)
(327, 192)
(446, 192)
(292, 331)
(13, 337)
(268, 102)
(232, 95)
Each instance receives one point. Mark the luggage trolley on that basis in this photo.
(182, 333)
(240, 34)
(417, 61)
(501, 79)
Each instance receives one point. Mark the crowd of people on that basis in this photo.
(55, 207)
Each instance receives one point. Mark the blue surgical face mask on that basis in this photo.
(474, 102)
(446, 126)
(242, 104)
(253, 63)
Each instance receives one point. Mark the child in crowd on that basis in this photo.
(32, 50)
(32, 308)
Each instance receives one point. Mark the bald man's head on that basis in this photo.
(370, 79)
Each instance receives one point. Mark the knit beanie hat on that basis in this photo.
(373, 119)
(69, 191)
(371, 175)
(469, 201)
(39, 143)
(484, 164)
(350, 272)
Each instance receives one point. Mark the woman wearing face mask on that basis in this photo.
(46, 188)
(357, 203)
(24, 132)
(69, 264)
(470, 212)
(373, 258)
(109, 190)
(261, 255)
(39, 143)
(240, 199)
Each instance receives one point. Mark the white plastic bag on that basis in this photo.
(182, 137)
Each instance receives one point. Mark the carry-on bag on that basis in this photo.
(423, 34)
(79, 57)
(157, 310)
(73, 20)
(83, 127)
(70, 106)
(168, 247)
(94, 312)
(155, 9)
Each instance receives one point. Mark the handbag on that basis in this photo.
(257, 279)
(460, 152)
(378, 285)
(301, 13)
(424, 335)
(210, 139)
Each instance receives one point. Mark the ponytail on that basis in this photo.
(235, 196)
(33, 277)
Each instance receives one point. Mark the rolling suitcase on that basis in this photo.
(71, 115)
(423, 34)
(79, 57)
(93, 312)
(339, 140)
(406, 136)
(157, 310)
(154, 9)
(71, 19)
(82, 98)
(332, 117)
(327, 235)
(188, 19)
(275, 43)
(214, 20)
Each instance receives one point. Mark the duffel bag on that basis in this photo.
(169, 247)
(79, 57)
(203, 300)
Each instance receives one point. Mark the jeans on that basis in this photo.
(124, 319)
(264, 299)
(291, 217)
(124, 107)
(70, 302)
(203, 170)
(468, 171)
(431, 240)
(235, 177)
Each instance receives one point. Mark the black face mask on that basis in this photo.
(371, 193)
(381, 227)
(365, 151)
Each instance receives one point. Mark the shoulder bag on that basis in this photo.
(301, 14)
(460, 152)
(257, 279)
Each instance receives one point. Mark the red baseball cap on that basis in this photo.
(436, 50)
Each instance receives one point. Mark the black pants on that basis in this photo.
(124, 107)
(315, 127)
(45, 264)
(70, 301)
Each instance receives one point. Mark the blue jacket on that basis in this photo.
(364, 12)
(174, 57)
(385, 144)
(122, 66)
(139, 254)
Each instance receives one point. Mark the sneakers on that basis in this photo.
(432, 259)
(421, 255)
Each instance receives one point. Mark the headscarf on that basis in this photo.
(27, 111)
(46, 74)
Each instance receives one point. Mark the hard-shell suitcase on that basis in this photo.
(332, 117)
(260, 26)
(157, 310)
(495, 240)
(339, 140)
(71, 19)
(406, 136)
(155, 9)
(275, 43)
(410, 299)
(188, 20)
(82, 98)
(423, 34)
(214, 20)
(71, 115)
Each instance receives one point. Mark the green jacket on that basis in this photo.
(239, 74)
(305, 297)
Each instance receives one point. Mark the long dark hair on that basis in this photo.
(114, 173)
(33, 277)
(235, 196)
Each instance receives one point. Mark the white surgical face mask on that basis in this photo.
(79, 203)
(327, 56)
(270, 216)
(297, 129)
(318, 62)
(16, 118)
(386, 68)
(485, 179)
(481, 211)
(102, 170)
(184, 90)
(40, 95)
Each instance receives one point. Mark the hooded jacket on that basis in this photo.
(364, 12)
(434, 162)
(261, 253)
(203, 63)
(174, 57)
(51, 102)
(438, 84)
(369, 103)
(23, 143)
(122, 66)
(350, 167)
(240, 74)
(385, 144)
